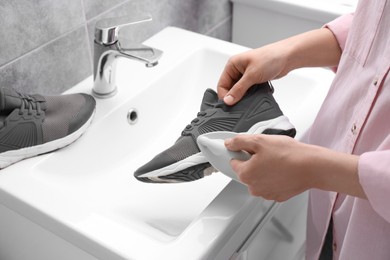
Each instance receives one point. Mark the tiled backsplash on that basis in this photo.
(46, 45)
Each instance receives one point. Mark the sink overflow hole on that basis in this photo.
(132, 116)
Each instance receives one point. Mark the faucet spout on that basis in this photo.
(143, 53)
(108, 47)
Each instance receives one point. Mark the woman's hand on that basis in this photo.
(274, 170)
(317, 48)
(281, 167)
(248, 68)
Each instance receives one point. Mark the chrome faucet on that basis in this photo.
(107, 48)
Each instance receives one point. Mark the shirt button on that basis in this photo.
(334, 246)
(354, 129)
(375, 82)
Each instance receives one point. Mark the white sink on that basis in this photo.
(86, 193)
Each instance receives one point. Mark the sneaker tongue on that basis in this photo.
(210, 97)
(11, 99)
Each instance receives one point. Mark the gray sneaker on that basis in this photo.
(34, 124)
(257, 112)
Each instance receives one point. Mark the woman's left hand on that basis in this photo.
(281, 167)
(276, 170)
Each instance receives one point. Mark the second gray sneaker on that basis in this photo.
(34, 124)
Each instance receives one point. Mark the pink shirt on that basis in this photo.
(355, 118)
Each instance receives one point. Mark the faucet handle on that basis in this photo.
(106, 30)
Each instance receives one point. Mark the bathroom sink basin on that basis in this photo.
(86, 193)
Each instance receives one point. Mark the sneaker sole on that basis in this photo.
(11, 157)
(192, 168)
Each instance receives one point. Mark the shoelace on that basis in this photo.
(199, 115)
(30, 103)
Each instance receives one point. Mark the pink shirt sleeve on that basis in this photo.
(340, 28)
(374, 176)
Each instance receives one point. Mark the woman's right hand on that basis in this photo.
(248, 68)
(316, 48)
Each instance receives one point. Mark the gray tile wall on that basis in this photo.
(46, 45)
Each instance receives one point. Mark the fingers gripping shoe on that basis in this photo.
(257, 112)
(33, 124)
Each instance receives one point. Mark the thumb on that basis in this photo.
(238, 90)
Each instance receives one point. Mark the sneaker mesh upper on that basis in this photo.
(61, 112)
